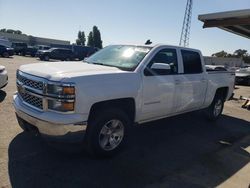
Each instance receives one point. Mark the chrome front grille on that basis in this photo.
(31, 99)
(30, 83)
(34, 92)
(30, 90)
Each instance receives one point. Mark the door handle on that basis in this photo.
(203, 80)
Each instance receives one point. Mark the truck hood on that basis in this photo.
(57, 71)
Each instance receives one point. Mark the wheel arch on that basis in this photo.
(125, 104)
(222, 91)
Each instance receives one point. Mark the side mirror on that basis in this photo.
(161, 66)
(158, 69)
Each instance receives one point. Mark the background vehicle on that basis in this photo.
(81, 52)
(31, 50)
(5, 51)
(56, 53)
(243, 75)
(20, 48)
(3, 77)
(43, 47)
(215, 68)
(5, 42)
(97, 101)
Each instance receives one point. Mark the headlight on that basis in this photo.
(65, 91)
(61, 106)
(62, 97)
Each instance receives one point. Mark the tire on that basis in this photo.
(248, 82)
(214, 111)
(46, 58)
(6, 54)
(107, 132)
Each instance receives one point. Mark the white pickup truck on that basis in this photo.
(97, 100)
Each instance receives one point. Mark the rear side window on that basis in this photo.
(191, 62)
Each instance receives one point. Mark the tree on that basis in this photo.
(3, 30)
(81, 38)
(97, 37)
(90, 40)
(18, 32)
(240, 53)
(220, 54)
(10, 31)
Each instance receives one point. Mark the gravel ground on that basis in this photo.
(182, 151)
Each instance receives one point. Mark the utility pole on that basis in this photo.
(185, 33)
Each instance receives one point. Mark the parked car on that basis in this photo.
(243, 75)
(20, 48)
(3, 77)
(96, 101)
(81, 52)
(5, 51)
(31, 50)
(215, 68)
(43, 47)
(5, 42)
(56, 53)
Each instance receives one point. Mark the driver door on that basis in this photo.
(159, 87)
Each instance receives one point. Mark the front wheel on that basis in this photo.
(6, 54)
(106, 132)
(214, 111)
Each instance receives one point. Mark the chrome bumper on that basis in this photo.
(55, 132)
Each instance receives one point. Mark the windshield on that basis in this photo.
(120, 56)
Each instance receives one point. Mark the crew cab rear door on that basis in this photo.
(159, 87)
(191, 84)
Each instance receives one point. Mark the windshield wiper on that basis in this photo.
(99, 64)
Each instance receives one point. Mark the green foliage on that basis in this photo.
(97, 37)
(94, 38)
(240, 53)
(11, 31)
(3, 30)
(220, 54)
(81, 38)
(90, 40)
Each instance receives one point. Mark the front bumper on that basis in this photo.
(73, 132)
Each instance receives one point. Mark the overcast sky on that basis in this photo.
(126, 21)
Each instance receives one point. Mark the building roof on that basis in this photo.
(237, 22)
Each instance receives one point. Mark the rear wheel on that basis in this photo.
(214, 111)
(23, 53)
(106, 132)
(6, 54)
(46, 58)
